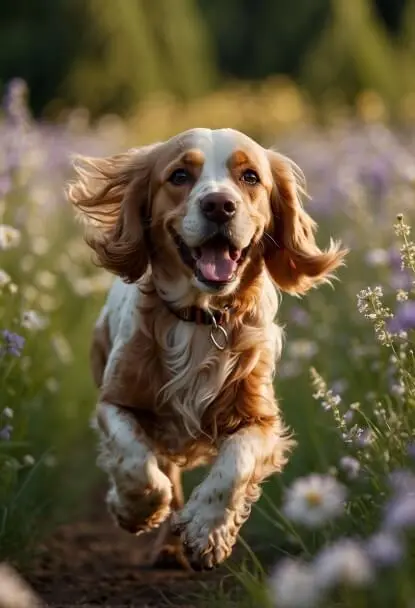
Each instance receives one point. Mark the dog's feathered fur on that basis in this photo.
(169, 398)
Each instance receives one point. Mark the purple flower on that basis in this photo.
(400, 513)
(404, 318)
(12, 343)
(385, 549)
(364, 437)
(411, 449)
(402, 481)
(299, 316)
(6, 432)
(351, 466)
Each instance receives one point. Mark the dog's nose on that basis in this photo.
(218, 207)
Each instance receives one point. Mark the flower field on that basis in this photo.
(338, 524)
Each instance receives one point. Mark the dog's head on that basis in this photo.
(203, 206)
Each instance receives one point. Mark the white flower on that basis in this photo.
(313, 500)
(33, 320)
(9, 237)
(28, 460)
(351, 466)
(293, 585)
(4, 278)
(344, 562)
(8, 412)
(377, 257)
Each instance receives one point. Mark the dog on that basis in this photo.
(203, 232)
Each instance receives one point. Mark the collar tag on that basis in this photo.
(218, 334)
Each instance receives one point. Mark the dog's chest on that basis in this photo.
(195, 369)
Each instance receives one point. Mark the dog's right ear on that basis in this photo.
(111, 196)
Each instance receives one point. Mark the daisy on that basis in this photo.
(313, 500)
(293, 585)
(9, 237)
(344, 562)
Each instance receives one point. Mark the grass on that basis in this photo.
(361, 177)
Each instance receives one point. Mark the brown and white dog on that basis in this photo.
(202, 231)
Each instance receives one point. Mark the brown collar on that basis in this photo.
(202, 316)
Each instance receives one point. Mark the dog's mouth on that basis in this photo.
(215, 262)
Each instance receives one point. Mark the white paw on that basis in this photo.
(208, 533)
(137, 507)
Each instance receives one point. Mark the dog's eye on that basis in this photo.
(250, 177)
(179, 177)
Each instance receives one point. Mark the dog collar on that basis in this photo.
(207, 316)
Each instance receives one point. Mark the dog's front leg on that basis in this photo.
(210, 521)
(140, 494)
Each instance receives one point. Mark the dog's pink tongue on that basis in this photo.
(216, 264)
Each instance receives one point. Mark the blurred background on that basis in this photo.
(331, 83)
(169, 64)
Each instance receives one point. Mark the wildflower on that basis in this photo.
(344, 562)
(15, 102)
(12, 343)
(411, 449)
(377, 257)
(351, 466)
(33, 321)
(293, 585)
(370, 305)
(6, 432)
(364, 437)
(9, 237)
(404, 318)
(407, 251)
(8, 412)
(315, 499)
(4, 278)
(28, 460)
(385, 549)
(329, 400)
(402, 295)
(400, 512)
(299, 316)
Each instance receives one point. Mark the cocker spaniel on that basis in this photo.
(203, 230)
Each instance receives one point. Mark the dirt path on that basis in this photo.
(92, 563)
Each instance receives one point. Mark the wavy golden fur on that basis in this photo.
(208, 219)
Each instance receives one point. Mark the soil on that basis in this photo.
(93, 563)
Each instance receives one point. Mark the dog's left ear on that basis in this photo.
(292, 256)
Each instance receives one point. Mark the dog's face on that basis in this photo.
(204, 205)
(212, 194)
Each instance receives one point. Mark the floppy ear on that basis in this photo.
(292, 256)
(111, 195)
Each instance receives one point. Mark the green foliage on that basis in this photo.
(105, 55)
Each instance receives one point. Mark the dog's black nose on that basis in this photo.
(218, 207)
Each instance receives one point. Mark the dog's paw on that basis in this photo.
(140, 511)
(208, 536)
